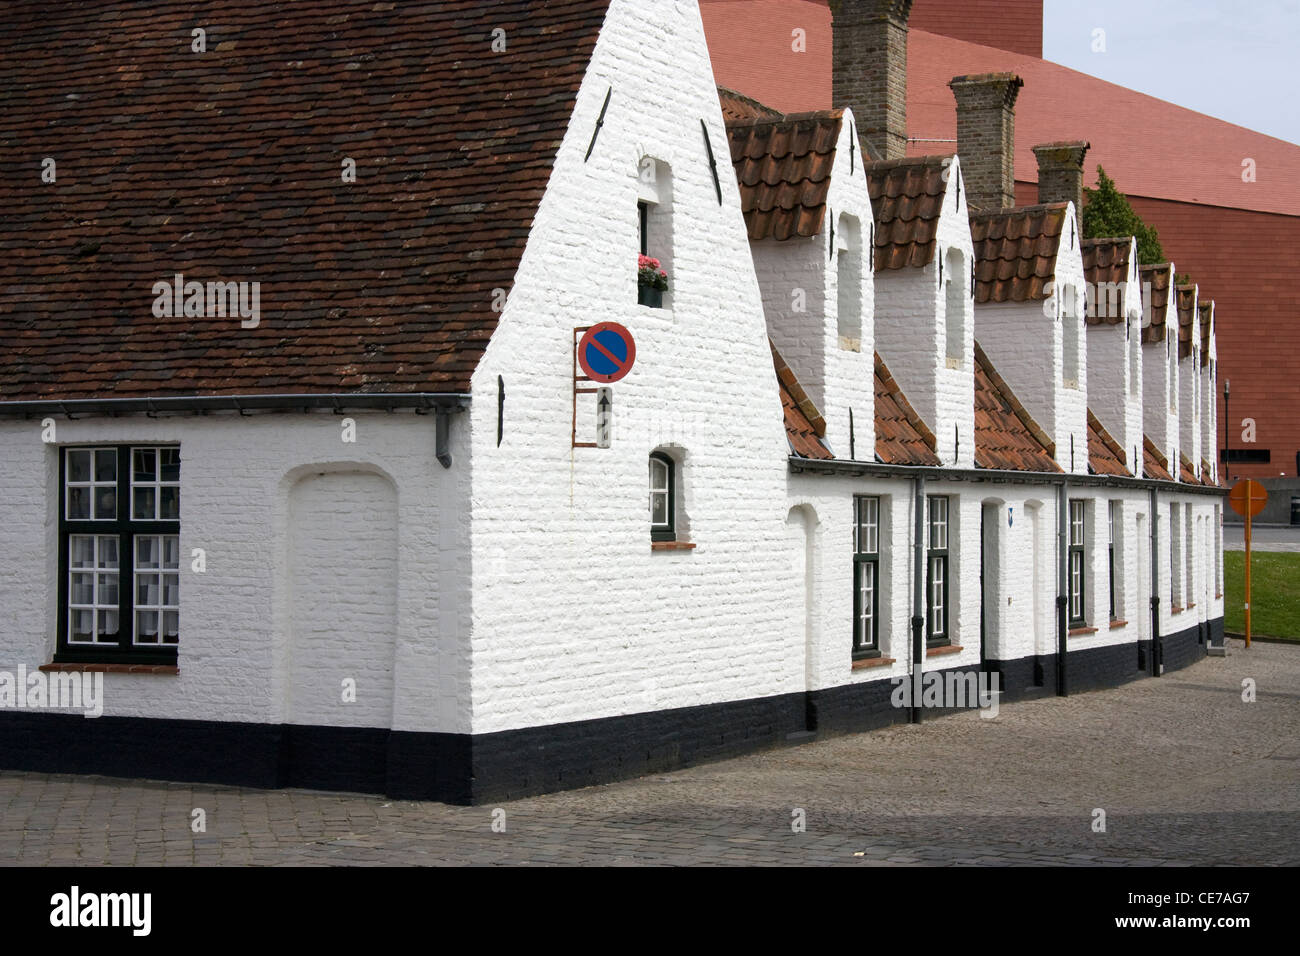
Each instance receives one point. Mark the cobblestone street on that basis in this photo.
(1186, 772)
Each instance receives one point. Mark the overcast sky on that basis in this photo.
(1238, 60)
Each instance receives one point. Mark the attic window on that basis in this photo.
(1070, 332)
(955, 298)
(655, 226)
(848, 277)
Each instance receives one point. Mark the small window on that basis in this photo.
(866, 578)
(956, 289)
(848, 284)
(1070, 331)
(662, 498)
(1175, 559)
(1078, 572)
(937, 572)
(119, 555)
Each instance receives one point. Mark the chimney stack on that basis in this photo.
(986, 133)
(869, 71)
(1060, 172)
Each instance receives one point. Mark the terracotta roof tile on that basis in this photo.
(1206, 475)
(1185, 296)
(1106, 262)
(1185, 472)
(907, 197)
(783, 166)
(902, 438)
(738, 106)
(1006, 436)
(226, 166)
(804, 425)
(1154, 464)
(1015, 252)
(1156, 280)
(1105, 456)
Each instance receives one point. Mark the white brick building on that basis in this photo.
(390, 538)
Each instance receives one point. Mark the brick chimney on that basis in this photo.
(1060, 172)
(869, 70)
(986, 132)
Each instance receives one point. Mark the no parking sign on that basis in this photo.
(606, 352)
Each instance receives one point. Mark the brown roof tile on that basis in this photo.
(783, 165)
(907, 196)
(804, 425)
(1207, 477)
(1156, 278)
(1185, 472)
(226, 166)
(738, 106)
(1154, 464)
(902, 438)
(1015, 252)
(1186, 300)
(1105, 456)
(1106, 263)
(1006, 436)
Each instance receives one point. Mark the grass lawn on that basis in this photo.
(1275, 593)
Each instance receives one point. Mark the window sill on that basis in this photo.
(872, 662)
(112, 668)
(672, 545)
(1118, 623)
(1217, 596)
(1175, 609)
(942, 650)
(1085, 629)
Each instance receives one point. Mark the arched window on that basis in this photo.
(956, 282)
(663, 495)
(848, 282)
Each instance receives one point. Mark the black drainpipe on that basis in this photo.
(918, 598)
(1062, 584)
(1157, 655)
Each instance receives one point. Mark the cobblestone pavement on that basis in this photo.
(1186, 772)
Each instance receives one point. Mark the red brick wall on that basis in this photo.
(1245, 262)
(1014, 25)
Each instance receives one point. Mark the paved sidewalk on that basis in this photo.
(1185, 771)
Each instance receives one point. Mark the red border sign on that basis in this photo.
(606, 352)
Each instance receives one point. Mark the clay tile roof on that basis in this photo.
(783, 165)
(1207, 477)
(1207, 324)
(1106, 264)
(738, 106)
(804, 425)
(1186, 299)
(1006, 437)
(1185, 472)
(1156, 280)
(902, 438)
(1105, 456)
(1154, 464)
(226, 167)
(1015, 252)
(907, 196)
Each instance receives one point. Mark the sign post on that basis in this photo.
(1247, 498)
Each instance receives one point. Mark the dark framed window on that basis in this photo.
(663, 497)
(643, 218)
(936, 590)
(1078, 575)
(1110, 544)
(119, 554)
(866, 577)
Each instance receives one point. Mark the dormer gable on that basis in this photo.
(1114, 331)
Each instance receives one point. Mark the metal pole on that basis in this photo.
(1249, 509)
